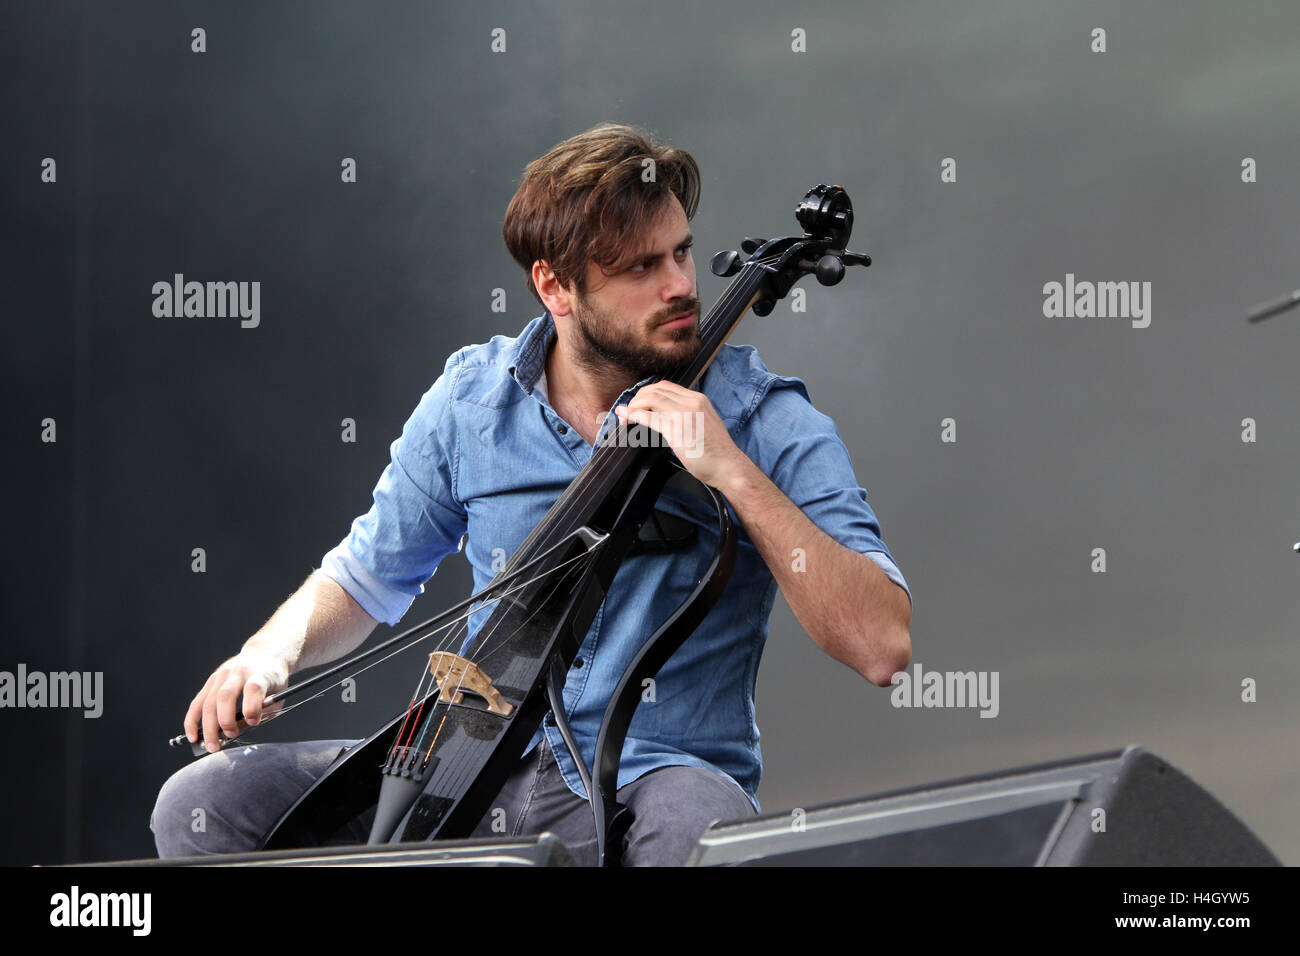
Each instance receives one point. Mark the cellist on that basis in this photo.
(606, 250)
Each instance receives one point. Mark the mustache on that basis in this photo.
(690, 305)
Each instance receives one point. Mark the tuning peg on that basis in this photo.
(829, 269)
(764, 306)
(855, 258)
(752, 245)
(726, 263)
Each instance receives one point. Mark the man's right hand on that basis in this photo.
(252, 674)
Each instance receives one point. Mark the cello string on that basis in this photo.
(401, 731)
(536, 609)
(480, 658)
(582, 558)
(455, 764)
(462, 625)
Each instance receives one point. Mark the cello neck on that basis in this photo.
(610, 462)
(717, 326)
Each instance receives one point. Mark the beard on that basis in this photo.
(601, 344)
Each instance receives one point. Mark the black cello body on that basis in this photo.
(433, 770)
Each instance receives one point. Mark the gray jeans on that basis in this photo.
(226, 802)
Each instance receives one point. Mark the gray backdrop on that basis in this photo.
(1071, 434)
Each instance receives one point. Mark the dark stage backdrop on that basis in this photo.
(1097, 510)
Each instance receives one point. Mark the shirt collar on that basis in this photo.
(530, 351)
(529, 360)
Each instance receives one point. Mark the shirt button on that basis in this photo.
(550, 719)
(562, 428)
(577, 662)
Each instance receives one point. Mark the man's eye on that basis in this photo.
(641, 267)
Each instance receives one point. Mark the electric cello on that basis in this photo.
(432, 771)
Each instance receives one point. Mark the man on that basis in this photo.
(606, 251)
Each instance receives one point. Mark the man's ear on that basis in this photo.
(557, 299)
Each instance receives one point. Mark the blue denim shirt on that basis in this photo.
(485, 454)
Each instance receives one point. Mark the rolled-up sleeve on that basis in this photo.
(800, 449)
(416, 519)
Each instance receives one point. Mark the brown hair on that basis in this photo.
(585, 201)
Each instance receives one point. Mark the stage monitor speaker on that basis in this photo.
(543, 850)
(1123, 808)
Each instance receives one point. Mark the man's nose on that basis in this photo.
(681, 283)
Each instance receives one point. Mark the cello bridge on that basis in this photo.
(456, 675)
